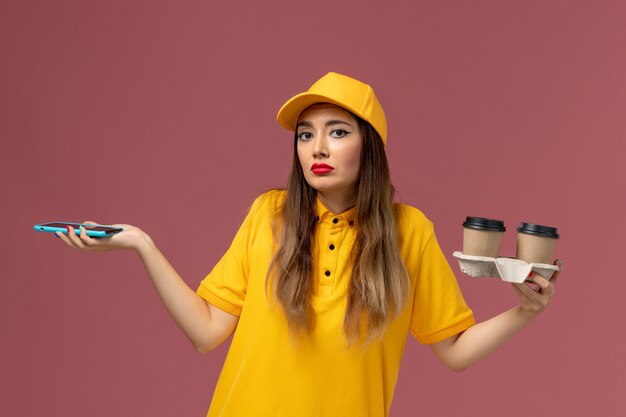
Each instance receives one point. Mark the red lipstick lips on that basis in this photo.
(321, 169)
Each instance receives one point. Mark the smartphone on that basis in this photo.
(93, 230)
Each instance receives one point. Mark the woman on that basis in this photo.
(324, 280)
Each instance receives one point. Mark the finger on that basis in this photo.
(541, 281)
(546, 287)
(69, 239)
(531, 284)
(65, 239)
(84, 237)
(558, 262)
(527, 291)
(71, 235)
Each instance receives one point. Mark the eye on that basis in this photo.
(339, 133)
(304, 135)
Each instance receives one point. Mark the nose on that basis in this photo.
(320, 146)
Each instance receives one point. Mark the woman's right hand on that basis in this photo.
(129, 238)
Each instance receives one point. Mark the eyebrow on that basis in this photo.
(328, 123)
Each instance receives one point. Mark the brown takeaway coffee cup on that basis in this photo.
(482, 237)
(536, 243)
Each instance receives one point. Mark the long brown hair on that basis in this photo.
(379, 285)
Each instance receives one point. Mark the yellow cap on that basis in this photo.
(346, 92)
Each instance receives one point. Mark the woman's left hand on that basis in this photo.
(534, 301)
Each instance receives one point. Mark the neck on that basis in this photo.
(337, 202)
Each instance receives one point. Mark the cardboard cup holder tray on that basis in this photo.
(507, 269)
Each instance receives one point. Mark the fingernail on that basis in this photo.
(68, 229)
(531, 274)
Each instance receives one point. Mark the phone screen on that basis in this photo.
(97, 228)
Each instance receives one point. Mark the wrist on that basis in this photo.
(528, 315)
(144, 244)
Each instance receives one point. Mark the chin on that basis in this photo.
(326, 188)
(327, 183)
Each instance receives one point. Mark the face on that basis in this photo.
(329, 135)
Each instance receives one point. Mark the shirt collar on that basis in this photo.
(323, 214)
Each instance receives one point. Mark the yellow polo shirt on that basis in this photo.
(264, 375)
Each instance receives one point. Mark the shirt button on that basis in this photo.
(335, 220)
(327, 273)
(332, 246)
(351, 222)
(317, 218)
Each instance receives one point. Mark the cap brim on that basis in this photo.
(290, 111)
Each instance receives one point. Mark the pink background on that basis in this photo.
(162, 115)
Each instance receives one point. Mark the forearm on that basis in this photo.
(484, 338)
(187, 308)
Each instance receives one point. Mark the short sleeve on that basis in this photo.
(439, 309)
(225, 286)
